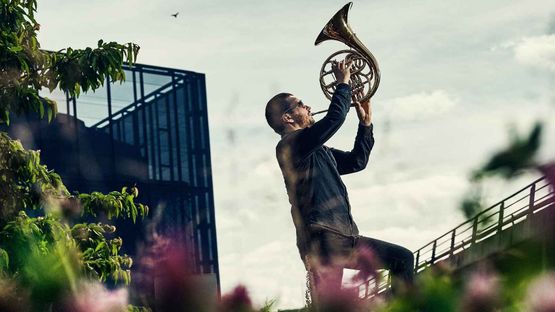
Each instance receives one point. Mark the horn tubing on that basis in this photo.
(325, 110)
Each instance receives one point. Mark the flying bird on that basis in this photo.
(175, 15)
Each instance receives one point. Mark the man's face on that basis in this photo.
(300, 112)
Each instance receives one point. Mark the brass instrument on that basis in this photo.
(365, 73)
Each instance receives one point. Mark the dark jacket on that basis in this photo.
(312, 171)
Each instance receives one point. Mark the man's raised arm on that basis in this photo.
(315, 136)
(357, 158)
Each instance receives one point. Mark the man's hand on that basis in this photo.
(364, 109)
(342, 71)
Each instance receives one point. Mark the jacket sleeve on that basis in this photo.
(357, 158)
(315, 136)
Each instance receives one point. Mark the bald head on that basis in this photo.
(274, 110)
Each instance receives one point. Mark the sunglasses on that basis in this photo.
(298, 104)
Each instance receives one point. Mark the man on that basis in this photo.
(326, 232)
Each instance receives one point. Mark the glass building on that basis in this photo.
(152, 131)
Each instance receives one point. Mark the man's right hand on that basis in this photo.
(342, 71)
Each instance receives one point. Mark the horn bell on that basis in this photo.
(338, 29)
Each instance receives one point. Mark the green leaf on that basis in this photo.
(4, 260)
(100, 246)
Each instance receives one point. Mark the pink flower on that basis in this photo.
(481, 292)
(367, 264)
(94, 297)
(236, 301)
(328, 295)
(541, 294)
(166, 278)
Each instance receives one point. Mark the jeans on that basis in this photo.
(335, 251)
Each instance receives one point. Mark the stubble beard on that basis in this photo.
(310, 120)
(306, 121)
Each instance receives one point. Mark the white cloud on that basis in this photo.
(419, 203)
(420, 105)
(537, 51)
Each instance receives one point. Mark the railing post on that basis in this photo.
(416, 264)
(501, 216)
(452, 249)
(367, 289)
(532, 199)
(475, 229)
(434, 251)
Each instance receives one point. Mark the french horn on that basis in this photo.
(365, 73)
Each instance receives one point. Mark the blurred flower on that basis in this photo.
(12, 298)
(541, 294)
(236, 301)
(327, 293)
(367, 264)
(166, 280)
(481, 292)
(150, 255)
(331, 299)
(94, 297)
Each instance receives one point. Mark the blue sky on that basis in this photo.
(456, 76)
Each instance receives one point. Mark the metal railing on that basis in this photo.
(489, 222)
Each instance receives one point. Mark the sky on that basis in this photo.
(456, 79)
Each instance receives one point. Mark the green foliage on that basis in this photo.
(43, 257)
(4, 260)
(101, 258)
(44, 254)
(26, 184)
(24, 235)
(471, 204)
(432, 292)
(268, 305)
(25, 69)
(76, 70)
(132, 308)
(518, 156)
(507, 163)
(29, 185)
(113, 204)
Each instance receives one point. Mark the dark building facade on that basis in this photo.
(152, 131)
